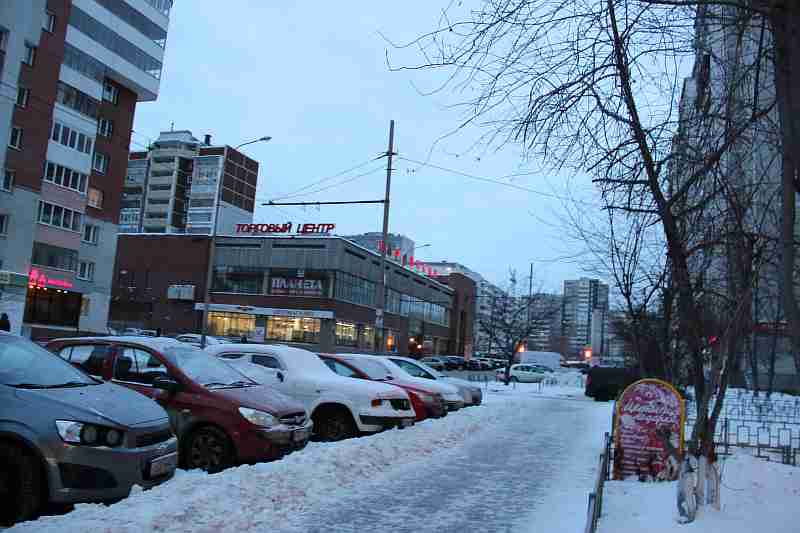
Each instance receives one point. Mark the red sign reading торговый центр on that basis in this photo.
(648, 429)
(301, 229)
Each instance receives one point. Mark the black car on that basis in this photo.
(454, 362)
(606, 383)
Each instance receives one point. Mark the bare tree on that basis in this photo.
(602, 87)
(515, 317)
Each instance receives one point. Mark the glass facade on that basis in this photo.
(240, 280)
(105, 36)
(346, 334)
(354, 289)
(231, 324)
(286, 329)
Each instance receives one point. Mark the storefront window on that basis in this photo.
(304, 330)
(231, 324)
(366, 337)
(391, 341)
(346, 334)
(53, 307)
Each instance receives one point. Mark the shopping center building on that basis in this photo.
(318, 292)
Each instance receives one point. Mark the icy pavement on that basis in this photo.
(523, 462)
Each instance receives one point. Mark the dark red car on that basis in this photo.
(220, 416)
(426, 403)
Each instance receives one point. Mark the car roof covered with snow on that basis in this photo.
(154, 343)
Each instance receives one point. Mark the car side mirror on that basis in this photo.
(280, 376)
(389, 377)
(166, 383)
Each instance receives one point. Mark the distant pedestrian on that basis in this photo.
(5, 324)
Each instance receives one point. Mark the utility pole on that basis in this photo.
(380, 309)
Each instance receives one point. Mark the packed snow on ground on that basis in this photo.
(278, 495)
(756, 495)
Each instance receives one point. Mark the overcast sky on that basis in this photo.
(313, 75)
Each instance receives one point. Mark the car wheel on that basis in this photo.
(209, 449)
(333, 425)
(20, 485)
(515, 379)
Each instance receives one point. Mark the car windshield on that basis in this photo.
(206, 369)
(429, 370)
(373, 369)
(24, 364)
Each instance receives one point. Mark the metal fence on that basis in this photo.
(769, 426)
(595, 505)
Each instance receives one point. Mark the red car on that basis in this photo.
(220, 416)
(426, 403)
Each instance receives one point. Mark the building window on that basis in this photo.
(95, 198)
(68, 137)
(3, 224)
(86, 270)
(8, 180)
(231, 324)
(50, 256)
(304, 330)
(60, 217)
(346, 334)
(110, 93)
(23, 95)
(49, 22)
(77, 100)
(15, 141)
(91, 233)
(30, 54)
(105, 127)
(65, 177)
(100, 162)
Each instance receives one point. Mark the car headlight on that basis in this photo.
(74, 432)
(258, 418)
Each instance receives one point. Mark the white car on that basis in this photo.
(340, 407)
(194, 339)
(523, 373)
(469, 391)
(453, 399)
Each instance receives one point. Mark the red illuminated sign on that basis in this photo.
(301, 229)
(38, 279)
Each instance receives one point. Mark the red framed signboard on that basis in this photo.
(648, 430)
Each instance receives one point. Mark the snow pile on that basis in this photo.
(756, 496)
(272, 495)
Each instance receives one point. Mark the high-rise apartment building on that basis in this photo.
(546, 319)
(584, 308)
(71, 74)
(174, 187)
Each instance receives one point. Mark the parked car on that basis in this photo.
(426, 401)
(194, 339)
(475, 364)
(522, 373)
(485, 364)
(340, 407)
(140, 332)
(471, 393)
(606, 383)
(456, 362)
(66, 437)
(220, 416)
(434, 362)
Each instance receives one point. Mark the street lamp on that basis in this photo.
(265, 138)
(212, 249)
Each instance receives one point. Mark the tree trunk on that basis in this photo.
(784, 21)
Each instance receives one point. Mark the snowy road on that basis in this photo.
(495, 482)
(523, 462)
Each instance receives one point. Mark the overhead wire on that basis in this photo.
(496, 181)
(294, 193)
(334, 185)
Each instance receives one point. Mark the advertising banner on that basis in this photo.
(296, 287)
(648, 431)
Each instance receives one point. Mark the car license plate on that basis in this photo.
(300, 435)
(406, 422)
(163, 465)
